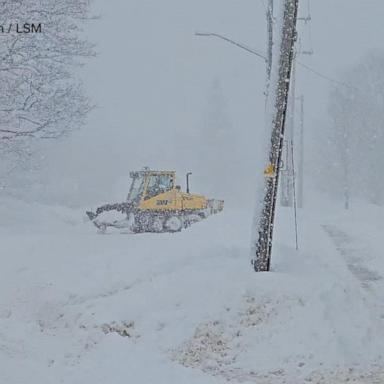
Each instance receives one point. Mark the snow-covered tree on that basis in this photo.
(216, 154)
(39, 96)
(356, 135)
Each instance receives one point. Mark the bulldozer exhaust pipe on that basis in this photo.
(187, 175)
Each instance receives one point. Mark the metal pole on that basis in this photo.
(239, 45)
(263, 246)
(294, 196)
(300, 191)
(287, 174)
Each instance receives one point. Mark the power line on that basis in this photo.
(262, 56)
(319, 74)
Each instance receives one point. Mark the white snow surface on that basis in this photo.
(80, 307)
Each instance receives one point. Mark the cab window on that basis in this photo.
(158, 184)
(136, 189)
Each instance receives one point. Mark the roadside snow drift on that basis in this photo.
(78, 307)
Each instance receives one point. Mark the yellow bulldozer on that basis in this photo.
(156, 204)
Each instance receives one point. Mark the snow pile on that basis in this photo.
(80, 307)
(20, 216)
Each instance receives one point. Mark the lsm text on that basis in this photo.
(21, 28)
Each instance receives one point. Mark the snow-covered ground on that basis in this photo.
(79, 307)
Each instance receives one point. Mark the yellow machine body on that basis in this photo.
(156, 204)
(171, 200)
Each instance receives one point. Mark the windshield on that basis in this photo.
(158, 184)
(136, 188)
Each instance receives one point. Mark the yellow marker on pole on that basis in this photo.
(270, 171)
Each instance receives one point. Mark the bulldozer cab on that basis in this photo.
(147, 184)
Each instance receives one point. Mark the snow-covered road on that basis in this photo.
(77, 307)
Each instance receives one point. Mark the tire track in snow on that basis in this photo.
(355, 258)
(357, 255)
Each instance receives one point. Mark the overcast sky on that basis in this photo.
(152, 77)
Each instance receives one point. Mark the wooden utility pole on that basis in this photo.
(263, 246)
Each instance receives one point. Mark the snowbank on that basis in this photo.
(77, 307)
